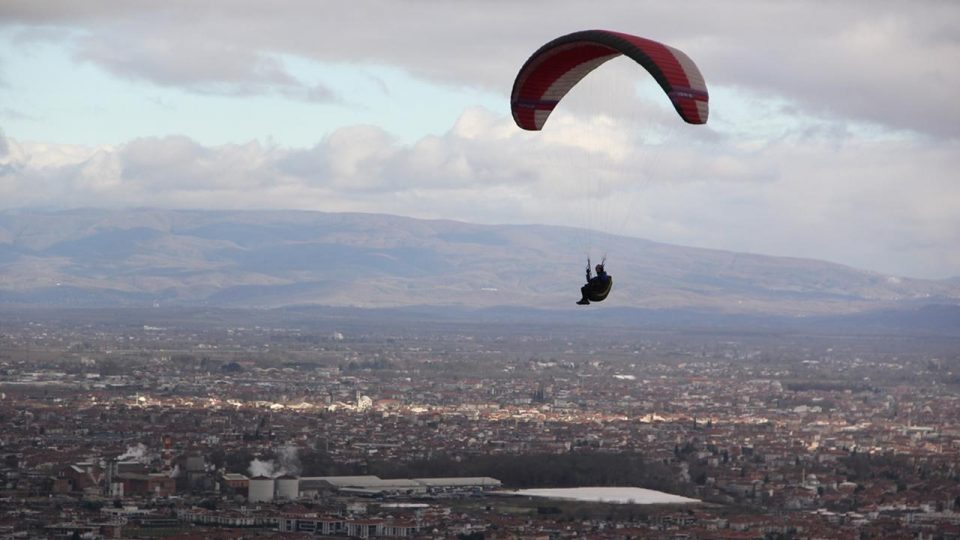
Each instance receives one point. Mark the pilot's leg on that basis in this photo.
(584, 291)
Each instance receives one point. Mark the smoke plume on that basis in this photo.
(137, 452)
(286, 463)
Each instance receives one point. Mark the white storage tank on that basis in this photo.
(261, 489)
(288, 487)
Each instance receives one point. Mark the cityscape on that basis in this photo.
(474, 270)
(383, 426)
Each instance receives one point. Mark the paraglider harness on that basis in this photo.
(598, 287)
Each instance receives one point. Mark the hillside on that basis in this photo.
(272, 259)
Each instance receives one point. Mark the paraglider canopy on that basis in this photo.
(559, 65)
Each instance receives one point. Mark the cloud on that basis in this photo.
(193, 62)
(197, 64)
(5, 166)
(888, 64)
(12, 114)
(885, 62)
(877, 203)
(169, 47)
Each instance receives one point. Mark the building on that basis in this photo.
(287, 487)
(261, 489)
(374, 486)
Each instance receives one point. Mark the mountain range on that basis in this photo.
(271, 259)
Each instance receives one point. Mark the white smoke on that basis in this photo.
(290, 460)
(264, 468)
(287, 463)
(137, 452)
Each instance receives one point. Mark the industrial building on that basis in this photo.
(374, 486)
(459, 485)
(261, 489)
(287, 487)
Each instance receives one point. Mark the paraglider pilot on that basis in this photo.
(597, 287)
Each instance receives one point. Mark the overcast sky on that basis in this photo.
(834, 130)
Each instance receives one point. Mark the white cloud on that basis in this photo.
(885, 205)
